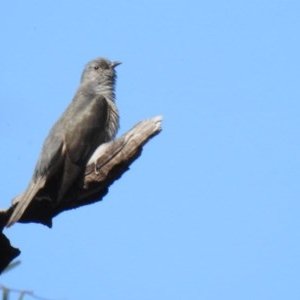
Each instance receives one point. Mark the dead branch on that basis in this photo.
(107, 164)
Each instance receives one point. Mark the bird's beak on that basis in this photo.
(115, 63)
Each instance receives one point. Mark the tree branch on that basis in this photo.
(107, 164)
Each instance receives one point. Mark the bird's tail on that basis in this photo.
(24, 200)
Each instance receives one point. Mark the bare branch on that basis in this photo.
(107, 164)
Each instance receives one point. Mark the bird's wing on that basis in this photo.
(49, 161)
(88, 132)
(84, 134)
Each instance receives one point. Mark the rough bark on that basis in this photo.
(107, 164)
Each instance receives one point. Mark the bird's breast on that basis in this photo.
(112, 124)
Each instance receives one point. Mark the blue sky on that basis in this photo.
(211, 209)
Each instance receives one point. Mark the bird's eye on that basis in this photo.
(96, 67)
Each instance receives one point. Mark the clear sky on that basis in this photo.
(211, 209)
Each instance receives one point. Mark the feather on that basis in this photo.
(24, 199)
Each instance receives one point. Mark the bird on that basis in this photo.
(91, 119)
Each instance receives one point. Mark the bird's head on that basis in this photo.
(99, 70)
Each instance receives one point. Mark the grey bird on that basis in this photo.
(91, 119)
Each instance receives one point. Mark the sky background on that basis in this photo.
(211, 209)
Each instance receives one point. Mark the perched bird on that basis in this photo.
(91, 119)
